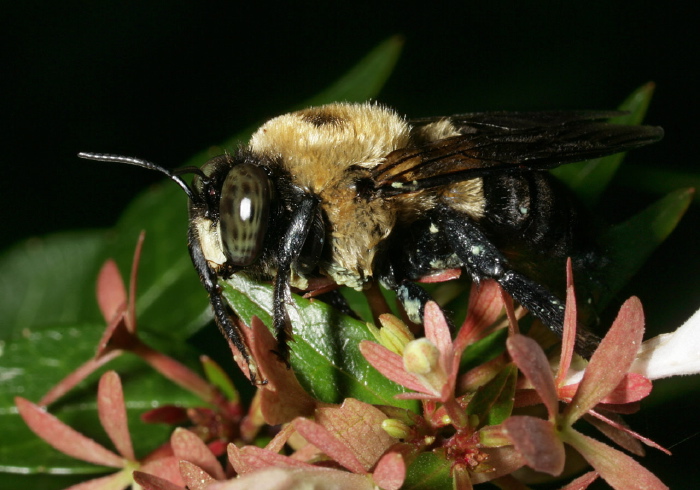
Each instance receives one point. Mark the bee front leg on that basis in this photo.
(483, 260)
(223, 315)
(290, 248)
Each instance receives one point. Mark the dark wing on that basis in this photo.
(510, 141)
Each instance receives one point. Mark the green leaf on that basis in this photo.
(217, 377)
(658, 180)
(503, 405)
(429, 470)
(629, 244)
(483, 350)
(493, 402)
(45, 281)
(590, 178)
(325, 352)
(43, 481)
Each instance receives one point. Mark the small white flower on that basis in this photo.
(671, 354)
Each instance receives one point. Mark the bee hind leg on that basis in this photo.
(483, 260)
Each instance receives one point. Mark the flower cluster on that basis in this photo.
(476, 422)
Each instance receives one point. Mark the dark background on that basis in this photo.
(165, 80)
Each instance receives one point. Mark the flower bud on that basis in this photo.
(394, 334)
(397, 429)
(422, 358)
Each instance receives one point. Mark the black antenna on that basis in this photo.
(105, 157)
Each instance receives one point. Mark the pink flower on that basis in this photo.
(119, 311)
(429, 366)
(112, 414)
(351, 435)
(361, 456)
(539, 441)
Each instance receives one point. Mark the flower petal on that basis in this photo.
(112, 412)
(166, 414)
(282, 398)
(618, 469)
(293, 479)
(612, 426)
(277, 443)
(195, 477)
(322, 438)
(582, 482)
(115, 481)
(568, 340)
(612, 422)
(390, 365)
(358, 426)
(390, 472)
(189, 447)
(538, 443)
(167, 468)
(503, 460)
(253, 458)
(175, 371)
(610, 362)
(235, 457)
(632, 388)
(531, 360)
(152, 482)
(131, 303)
(485, 305)
(64, 438)
(437, 330)
(75, 377)
(444, 276)
(111, 292)
(671, 354)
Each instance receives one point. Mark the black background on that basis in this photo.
(164, 80)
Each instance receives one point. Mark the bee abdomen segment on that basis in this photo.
(244, 210)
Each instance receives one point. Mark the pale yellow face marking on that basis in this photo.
(210, 241)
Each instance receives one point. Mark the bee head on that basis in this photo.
(235, 196)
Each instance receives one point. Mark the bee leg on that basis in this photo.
(290, 247)
(483, 260)
(223, 314)
(412, 297)
(338, 302)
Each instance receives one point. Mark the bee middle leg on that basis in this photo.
(398, 276)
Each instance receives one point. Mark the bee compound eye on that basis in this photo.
(243, 211)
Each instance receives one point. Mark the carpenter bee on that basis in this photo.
(358, 194)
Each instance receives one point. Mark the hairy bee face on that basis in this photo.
(355, 193)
